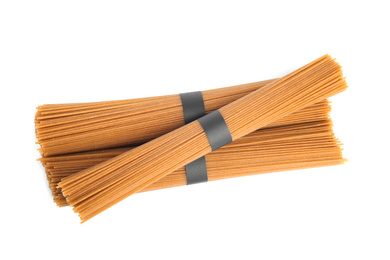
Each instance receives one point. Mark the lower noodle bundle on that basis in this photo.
(60, 166)
(99, 187)
(270, 150)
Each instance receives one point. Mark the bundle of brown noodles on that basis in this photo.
(69, 128)
(268, 150)
(95, 189)
(58, 166)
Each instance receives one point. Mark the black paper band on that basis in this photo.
(196, 171)
(216, 129)
(193, 106)
(193, 109)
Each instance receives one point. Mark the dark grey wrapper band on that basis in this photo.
(214, 126)
(193, 108)
(216, 129)
(196, 171)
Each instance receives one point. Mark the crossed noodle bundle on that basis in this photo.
(268, 150)
(97, 188)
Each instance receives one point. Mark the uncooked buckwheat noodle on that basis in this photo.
(99, 187)
(267, 150)
(69, 128)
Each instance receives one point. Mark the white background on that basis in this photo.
(79, 51)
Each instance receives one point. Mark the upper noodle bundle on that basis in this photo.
(69, 128)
